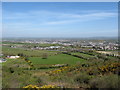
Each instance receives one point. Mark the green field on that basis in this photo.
(16, 51)
(30, 44)
(82, 54)
(56, 59)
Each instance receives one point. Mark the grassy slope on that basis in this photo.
(19, 77)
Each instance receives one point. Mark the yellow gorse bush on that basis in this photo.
(44, 86)
(109, 67)
(49, 86)
(31, 86)
(59, 70)
(30, 63)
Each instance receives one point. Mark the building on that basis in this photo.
(13, 57)
(2, 60)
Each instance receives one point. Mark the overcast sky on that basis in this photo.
(65, 19)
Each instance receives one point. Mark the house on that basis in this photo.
(13, 57)
(2, 60)
(1, 54)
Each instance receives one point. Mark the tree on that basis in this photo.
(20, 54)
(44, 56)
(26, 59)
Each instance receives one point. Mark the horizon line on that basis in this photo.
(68, 37)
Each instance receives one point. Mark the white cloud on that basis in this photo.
(40, 22)
(54, 18)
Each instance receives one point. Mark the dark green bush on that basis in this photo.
(82, 78)
(107, 81)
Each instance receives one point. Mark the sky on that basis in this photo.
(60, 19)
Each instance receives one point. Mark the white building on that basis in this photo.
(13, 57)
(2, 60)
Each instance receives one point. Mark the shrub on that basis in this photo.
(113, 67)
(26, 59)
(11, 70)
(110, 81)
(82, 78)
(44, 56)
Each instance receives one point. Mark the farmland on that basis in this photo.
(82, 54)
(69, 67)
(16, 51)
(57, 59)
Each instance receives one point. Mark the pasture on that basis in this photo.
(35, 53)
(57, 59)
(82, 54)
